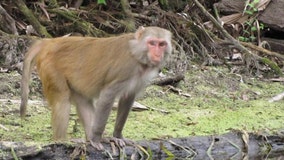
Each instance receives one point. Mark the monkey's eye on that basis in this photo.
(152, 43)
(162, 44)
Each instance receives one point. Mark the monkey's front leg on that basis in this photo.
(124, 105)
(102, 111)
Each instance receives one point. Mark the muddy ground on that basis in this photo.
(211, 101)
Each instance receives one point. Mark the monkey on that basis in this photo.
(91, 73)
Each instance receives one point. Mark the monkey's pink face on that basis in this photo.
(157, 48)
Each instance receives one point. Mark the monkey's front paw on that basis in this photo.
(78, 140)
(121, 142)
(97, 145)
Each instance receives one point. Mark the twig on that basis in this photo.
(263, 50)
(178, 91)
(223, 31)
(277, 97)
(34, 102)
(14, 154)
(189, 150)
(160, 110)
(236, 146)
(140, 148)
(209, 150)
(136, 15)
(3, 127)
(8, 21)
(135, 107)
(166, 151)
(245, 138)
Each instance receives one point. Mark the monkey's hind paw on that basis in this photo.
(121, 142)
(78, 140)
(97, 145)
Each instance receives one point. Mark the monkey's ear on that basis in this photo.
(139, 32)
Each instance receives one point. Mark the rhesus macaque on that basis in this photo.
(82, 69)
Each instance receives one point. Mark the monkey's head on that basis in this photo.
(151, 45)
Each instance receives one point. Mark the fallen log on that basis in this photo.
(170, 80)
(233, 145)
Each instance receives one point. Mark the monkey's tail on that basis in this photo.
(27, 66)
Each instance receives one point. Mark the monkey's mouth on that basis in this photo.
(156, 58)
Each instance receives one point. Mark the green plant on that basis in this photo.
(102, 2)
(251, 27)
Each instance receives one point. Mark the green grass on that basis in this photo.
(219, 103)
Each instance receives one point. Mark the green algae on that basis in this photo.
(219, 102)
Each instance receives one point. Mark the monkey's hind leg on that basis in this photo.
(58, 97)
(85, 110)
(60, 116)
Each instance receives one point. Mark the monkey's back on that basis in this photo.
(84, 64)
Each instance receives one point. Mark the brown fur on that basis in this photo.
(80, 69)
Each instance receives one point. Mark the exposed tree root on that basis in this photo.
(31, 18)
(226, 146)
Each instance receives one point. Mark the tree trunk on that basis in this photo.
(234, 145)
(31, 18)
(129, 22)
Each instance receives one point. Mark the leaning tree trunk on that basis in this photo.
(31, 18)
(129, 22)
(235, 145)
